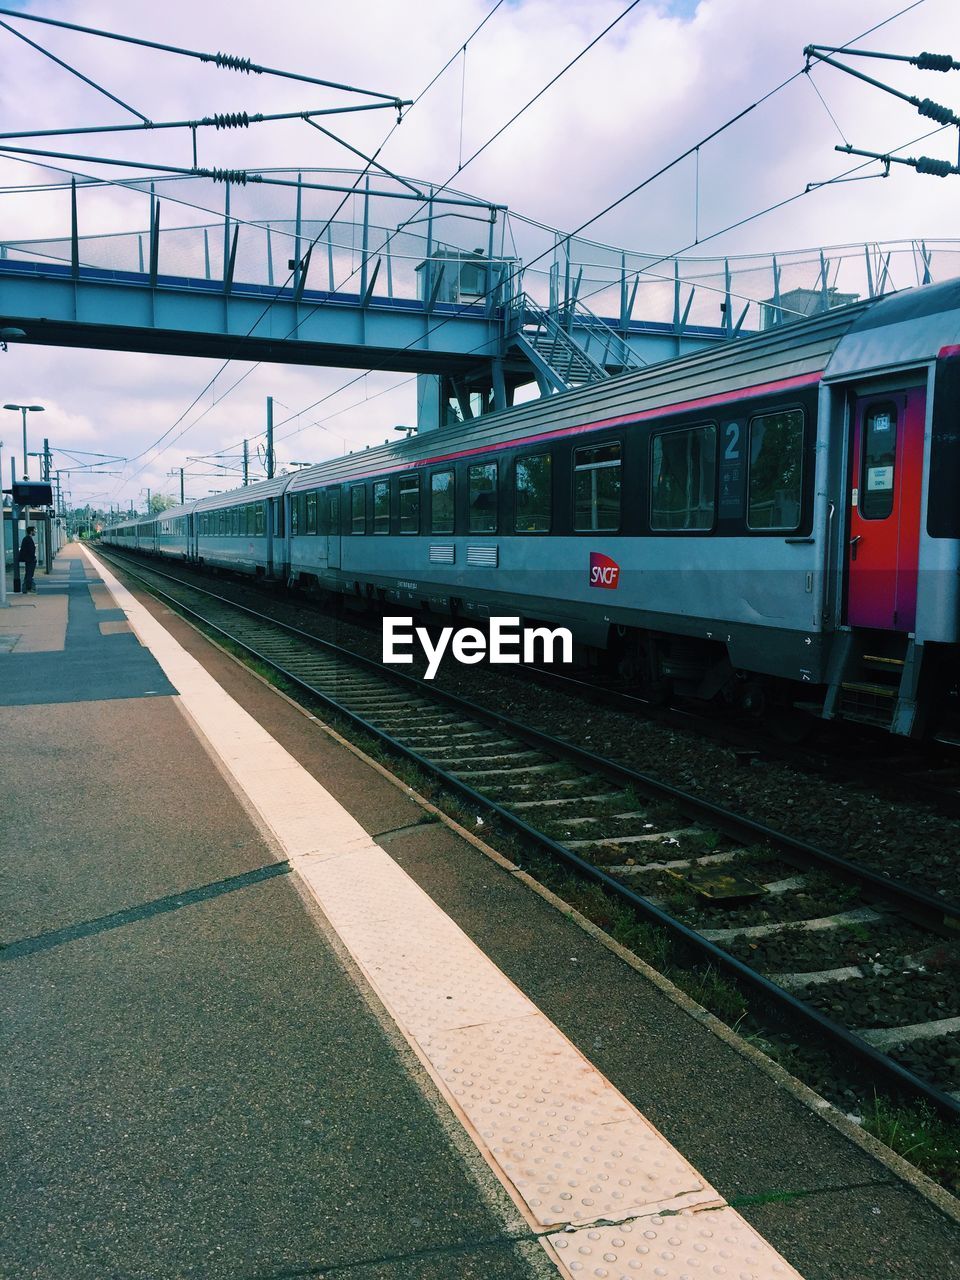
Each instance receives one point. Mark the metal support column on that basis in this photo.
(365, 237)
(74, 232)
(296, 237)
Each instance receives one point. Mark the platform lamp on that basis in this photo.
(23, 410)
(8, 334)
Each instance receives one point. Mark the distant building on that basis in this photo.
(802, 302)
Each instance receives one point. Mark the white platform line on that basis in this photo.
(573, 1152)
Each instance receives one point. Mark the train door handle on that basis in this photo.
(854, 543)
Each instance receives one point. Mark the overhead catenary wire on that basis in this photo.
(633, 191)
(223, 60)
(771, 208)
(695, 148)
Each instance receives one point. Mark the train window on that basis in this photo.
(683, 471)
(596, 488)
(358, 509)
(441, 502)
(311, 513)
(381, 506)
(259, 525)
(483, 497)
(220, 523)
(333, 508)
(409, 503)
(776, 463)
(294, 516)
(879, 459)
(533, 494)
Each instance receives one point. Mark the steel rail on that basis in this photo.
(775, 999)
(748, 740)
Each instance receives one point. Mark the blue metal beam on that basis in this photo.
(224, 318)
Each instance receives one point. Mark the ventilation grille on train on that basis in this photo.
(483, 557)
(444, 553)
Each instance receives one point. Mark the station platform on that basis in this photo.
(265, 1017)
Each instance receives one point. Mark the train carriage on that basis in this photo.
(774, 522)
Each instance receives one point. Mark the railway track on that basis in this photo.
(830, 949)
(929, 774)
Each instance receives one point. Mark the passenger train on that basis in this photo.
(773, 523)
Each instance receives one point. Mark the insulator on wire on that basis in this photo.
(936, 111)
(935, 62)
(234, 63)
(939, 168)
(238, 176)
(230, 120)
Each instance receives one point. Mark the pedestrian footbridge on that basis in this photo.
(331, 268)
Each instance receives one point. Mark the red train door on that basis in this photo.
(885, 492)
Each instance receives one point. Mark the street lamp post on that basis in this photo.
(23, 410)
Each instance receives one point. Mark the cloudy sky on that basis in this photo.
(664, 77)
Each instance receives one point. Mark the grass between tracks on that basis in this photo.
(915, 1132)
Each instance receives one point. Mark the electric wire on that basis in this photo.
(221, 60)
(814, 86)
(663, 170)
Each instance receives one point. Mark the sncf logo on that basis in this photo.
(604, 572)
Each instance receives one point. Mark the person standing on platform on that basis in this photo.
(28, 558)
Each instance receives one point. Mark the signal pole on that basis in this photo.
(269, 437)
(246, 462)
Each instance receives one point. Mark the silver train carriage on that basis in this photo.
(774, 522)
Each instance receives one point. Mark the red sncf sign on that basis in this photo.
(604, 572)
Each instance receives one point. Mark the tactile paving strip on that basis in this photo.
(686, 1246)
(425, 969)
(572, 1149)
